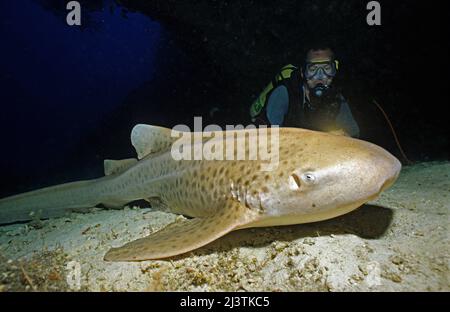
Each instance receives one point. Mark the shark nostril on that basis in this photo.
(294, 182)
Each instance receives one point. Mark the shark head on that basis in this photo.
(322, 176)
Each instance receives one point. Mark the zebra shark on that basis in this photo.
(318, 176)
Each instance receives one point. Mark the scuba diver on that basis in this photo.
(305, 97)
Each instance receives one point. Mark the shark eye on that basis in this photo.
(308, 178)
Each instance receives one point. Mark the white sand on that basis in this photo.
(400, 242)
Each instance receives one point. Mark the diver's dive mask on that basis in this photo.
(321, 69)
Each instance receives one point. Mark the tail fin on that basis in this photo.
(51, 201)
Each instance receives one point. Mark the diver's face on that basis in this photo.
(319, 68)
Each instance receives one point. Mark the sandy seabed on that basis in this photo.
(399, 242)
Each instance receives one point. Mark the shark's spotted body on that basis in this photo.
(319, 176)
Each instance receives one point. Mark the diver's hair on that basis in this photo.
(319, 46)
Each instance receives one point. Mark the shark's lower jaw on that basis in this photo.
(306, 218)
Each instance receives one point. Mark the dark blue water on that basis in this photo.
(58, 82)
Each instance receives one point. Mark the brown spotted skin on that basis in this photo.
(196, 188)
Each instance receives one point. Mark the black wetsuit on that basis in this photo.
(288, 106)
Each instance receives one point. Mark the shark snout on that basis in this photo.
(381, 170)
(392, 170)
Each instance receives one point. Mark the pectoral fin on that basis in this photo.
(180, 237)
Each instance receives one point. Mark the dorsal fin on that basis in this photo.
(148, 139)
(116, 166)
